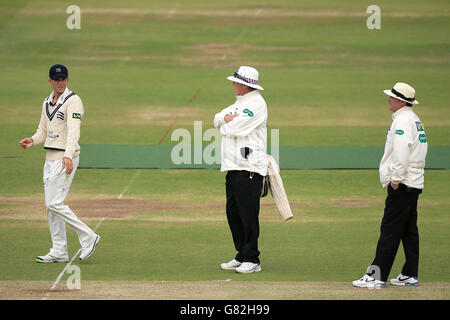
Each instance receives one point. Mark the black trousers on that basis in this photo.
(243, 191)
(399, 224)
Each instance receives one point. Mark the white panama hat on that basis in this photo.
(248, 76)
(403, 92)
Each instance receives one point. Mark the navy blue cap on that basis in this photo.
(57, 71)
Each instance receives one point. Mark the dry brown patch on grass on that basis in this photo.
(225, 62)
(355, 203)
(287, 48)
(105, 207)
(114, 44)
(429, 203)
(165, 115)
(313, 62)
(219, 290)
(258, 19)
(260, 10)
(232, 48)
(99, 58)
(213, 48)
(221, 54)
(147, 209)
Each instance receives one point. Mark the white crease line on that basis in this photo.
(67, 266)
(129, 184)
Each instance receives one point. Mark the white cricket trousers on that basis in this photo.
(56, 187)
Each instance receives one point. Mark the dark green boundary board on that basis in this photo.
(290, 157)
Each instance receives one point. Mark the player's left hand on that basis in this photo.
(67, 163)
(394, 186)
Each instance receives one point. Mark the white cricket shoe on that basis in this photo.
(248, 267)
(368, 282)
(89, 249)
(230, 265)
(48, 258)
(402, 280)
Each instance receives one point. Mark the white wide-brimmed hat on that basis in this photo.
(404, 92)
(248, 76)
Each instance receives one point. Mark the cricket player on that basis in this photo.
(243, 126)
(59, 131)
(402, 172)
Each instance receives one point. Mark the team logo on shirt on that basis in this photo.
(399, 132)
(422, 138)
(76, 115)
(419, 126)
(248, 112)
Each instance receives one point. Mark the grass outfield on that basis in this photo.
(164, 232)
(153, 234)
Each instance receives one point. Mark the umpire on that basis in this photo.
(243, 126)
(402, 171)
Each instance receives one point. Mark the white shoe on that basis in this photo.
(48, 258)
(230, 265)
(368, 282)
(89, 249)
(248, 267)
(402, 280)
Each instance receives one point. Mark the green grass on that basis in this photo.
(135, 72)
(327, 240)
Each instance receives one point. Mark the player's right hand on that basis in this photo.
(26, 143)
(230, 117)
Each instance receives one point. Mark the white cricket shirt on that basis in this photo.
(59, 127)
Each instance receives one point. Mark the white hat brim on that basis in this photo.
(255, 86)
(389, 93)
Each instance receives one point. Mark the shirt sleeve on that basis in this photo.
(252, 116)
(75, 112)
(402, 139)
(219, 118)
(41, 132)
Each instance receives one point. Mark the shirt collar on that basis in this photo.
(396, 113)
(249, 95)
(61, 99)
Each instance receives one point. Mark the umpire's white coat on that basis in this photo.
(405, 150)
(249, 129)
